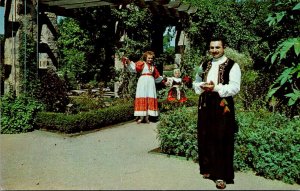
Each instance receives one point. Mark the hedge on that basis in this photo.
(84, 121)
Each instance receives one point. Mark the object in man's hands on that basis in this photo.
(207, 85)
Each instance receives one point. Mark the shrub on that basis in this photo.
(53, 92)
(84, 121)
(18, 113)
(165, 105)
(266, 143)
(177, 132)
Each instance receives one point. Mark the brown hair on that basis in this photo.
(151, 53)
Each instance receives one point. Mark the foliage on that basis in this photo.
(177, 132)
(74, 43)
(84, 121)
(165, 105)
(44, 87)
(29, 82)
(254, 83)
(18, 113)
(53, 91)
(286, 55)
(236, 21)
(190, 61)
(86, 102)
(136, 22)
(267, 143)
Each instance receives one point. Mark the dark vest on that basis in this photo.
(223, 77)
(224, 70)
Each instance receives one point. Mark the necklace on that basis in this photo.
(150, 67)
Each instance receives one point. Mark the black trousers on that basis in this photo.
(216, 130)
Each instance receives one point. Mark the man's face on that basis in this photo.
(216, 49)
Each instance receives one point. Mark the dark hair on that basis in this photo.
(218, 38)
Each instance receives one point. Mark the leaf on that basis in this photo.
(285, 47)
(297, 45)
(273, 58)
(297, 7)
(293, 97)
(280, 15)
(272, 92)
(285, 76)
(271, 20)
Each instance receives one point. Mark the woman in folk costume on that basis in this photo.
(145, 103)
(176, 92)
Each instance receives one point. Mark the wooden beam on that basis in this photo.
(70, 2)
(57, 10)
(85, 5)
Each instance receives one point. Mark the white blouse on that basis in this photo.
(230, 89)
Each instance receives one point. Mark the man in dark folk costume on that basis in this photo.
(217, 81)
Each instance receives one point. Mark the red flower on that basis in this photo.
(186, 79)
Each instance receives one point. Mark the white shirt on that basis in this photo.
(230, 89)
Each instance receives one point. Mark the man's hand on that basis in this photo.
(208, 86)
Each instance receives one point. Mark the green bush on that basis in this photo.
(86, 102)
(18, 113)
(177, 132)
(84, 121)
(269, 144)
(266, 143)
(165, 105)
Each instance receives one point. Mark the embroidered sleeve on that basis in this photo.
(158, 78)
(139, 65)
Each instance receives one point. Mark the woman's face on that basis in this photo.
(149, 59)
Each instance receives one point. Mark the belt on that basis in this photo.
(147, 74)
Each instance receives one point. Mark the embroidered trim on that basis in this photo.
(221, 71)
(209, 64)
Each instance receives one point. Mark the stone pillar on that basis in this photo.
(11, 47)
(182, 45)
(48, 50)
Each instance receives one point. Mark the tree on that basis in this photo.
(285, 57)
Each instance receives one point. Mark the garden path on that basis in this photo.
(114, 158)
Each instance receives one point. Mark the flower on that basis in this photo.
(186, 79)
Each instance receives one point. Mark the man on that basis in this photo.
(217, 82)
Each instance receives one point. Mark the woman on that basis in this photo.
(145, 103)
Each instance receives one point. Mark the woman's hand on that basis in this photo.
(125, 61)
